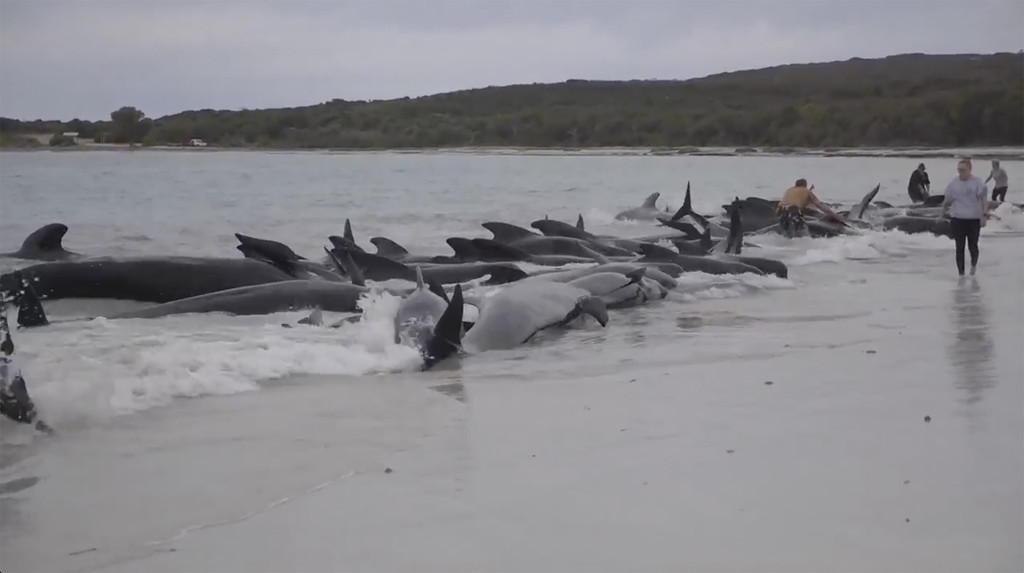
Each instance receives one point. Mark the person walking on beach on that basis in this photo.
(1002, 182)
(966, 203)
(919, 186)
(789, 210)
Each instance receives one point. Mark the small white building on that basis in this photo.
(72, 135)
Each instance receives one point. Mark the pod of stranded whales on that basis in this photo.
(270, 277)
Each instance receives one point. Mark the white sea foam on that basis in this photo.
(133, 365)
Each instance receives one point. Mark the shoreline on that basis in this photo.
(983, 153)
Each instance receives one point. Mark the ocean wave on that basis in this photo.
(135, 365)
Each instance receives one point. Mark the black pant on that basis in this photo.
(791, 220)
(965, 230)
(999, 193)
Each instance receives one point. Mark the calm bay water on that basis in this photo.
(519, 449)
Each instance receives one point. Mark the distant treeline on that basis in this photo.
(906, 100)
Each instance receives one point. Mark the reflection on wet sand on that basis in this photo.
(970, 353)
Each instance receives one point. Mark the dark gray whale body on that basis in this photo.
(145, 279)
(936, 226)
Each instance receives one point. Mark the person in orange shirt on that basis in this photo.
(789, 210)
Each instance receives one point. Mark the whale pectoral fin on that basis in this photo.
(502, 273)
(436, 288)
(346, 266)
(315, 318)
(595, 307)
(636, 275)
(734, 242)
(447, 336)
(867, 201)
(30, 309)
(16, 404)
(591, 253)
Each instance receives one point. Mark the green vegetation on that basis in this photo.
(127, 125)
(18, 141)
(906, 100)
(61, 140)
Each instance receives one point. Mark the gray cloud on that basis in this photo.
(84, 58)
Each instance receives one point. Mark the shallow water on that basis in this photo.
(216, 443)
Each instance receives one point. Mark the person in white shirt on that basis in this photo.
(967, 206)
(1002, 181)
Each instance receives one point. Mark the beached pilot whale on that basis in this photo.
(533, 243)
(241, 301)
(515, 313)
(378, 268)
(619, 290)
(144, 279)
(44, 244)
(934, 225)
(283, 257)
(429, 323)
(647, 211)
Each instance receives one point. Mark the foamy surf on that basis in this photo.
(700, 286)
(138, 364)
(867, 245)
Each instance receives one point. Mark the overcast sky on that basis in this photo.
(61, 59)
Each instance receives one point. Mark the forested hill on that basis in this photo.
(905, 100)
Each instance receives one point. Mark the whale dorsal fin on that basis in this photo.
(46, 238)
(651, 200)
(348, 232)
(463, 248)
(508, 233)
(579, 222)
(388, 248)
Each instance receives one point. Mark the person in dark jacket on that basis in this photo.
(919, 186)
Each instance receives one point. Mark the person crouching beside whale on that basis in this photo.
(789, 211)
(15, 402)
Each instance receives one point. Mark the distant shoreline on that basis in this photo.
(983, 153)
